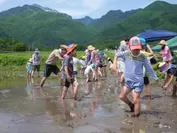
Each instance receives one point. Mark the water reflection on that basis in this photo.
(61, 110)
(33, 90)
(129, 130)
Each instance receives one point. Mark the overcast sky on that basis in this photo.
(81, 8)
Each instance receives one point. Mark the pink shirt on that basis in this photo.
(166, 54)
(95, 56)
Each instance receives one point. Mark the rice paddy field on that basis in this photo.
(13, 65)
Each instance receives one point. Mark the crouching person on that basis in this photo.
(67, 72)
(171, 71)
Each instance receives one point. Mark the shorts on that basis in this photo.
(36, 67)
(75, 72)
(29, 71)
(146, 80)
(101, 65)
(49, 69)
(64, 82)
(134, 86)
(86, 75)
(121, 66)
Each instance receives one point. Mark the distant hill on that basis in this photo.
(108, 20)
(40, 25)
(158, 15)
(87, 20)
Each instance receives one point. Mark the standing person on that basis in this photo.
(84, 64)
(50, 64)
(171, 71)
(165, 52)
(29, 67)
(134, 62)
(121, 62)
(67, 72)
(76, 61)
(95, 58)
(36, 62)
(103, 65)
(90, 69)
(149, 54)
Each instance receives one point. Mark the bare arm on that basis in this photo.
(150, 50)
(58, 56)
(169, 81)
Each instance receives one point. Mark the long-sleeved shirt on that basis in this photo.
(76, 61)
(134, 67)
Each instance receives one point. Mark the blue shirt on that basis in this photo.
(134, 67)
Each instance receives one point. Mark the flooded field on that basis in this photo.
(26, 108)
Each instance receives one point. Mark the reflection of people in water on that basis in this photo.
(60, 111)
(96, 92)
(33, 91)
(29, 89)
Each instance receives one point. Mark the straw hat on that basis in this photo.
(163, 42)
(30, 60)
(123, 42)
(90, 47)
(63, 46)
(164, 66)
(71, 47)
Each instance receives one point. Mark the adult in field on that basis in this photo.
(50, 64)
(165, 52)
(36, 62)
(95, 59)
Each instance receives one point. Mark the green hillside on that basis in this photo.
(158, 15)
(32, 24)
(108, 20)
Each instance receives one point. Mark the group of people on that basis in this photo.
(93, 65)
(132, 61)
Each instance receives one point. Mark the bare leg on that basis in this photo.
(174, 89)
(65, 90)
(136, 99)
(43, 81)
(122, 77)
(148, 91)
(32, 73)
(105, 72)
(75, 88)
(100, 72)
(123, 96)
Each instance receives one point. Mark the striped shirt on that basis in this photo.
(134, 67)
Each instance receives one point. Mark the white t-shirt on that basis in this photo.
(84, 63)
(110, 64)
(87, 70)
(76, 61)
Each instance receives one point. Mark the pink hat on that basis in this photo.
(135, 43)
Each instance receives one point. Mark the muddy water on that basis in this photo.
(26, 108)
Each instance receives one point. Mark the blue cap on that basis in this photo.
(93, 66)
(143, 42)
(101, 53)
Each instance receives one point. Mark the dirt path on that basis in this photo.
(24, 109)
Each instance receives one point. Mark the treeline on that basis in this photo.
(11, 44)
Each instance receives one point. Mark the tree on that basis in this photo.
(20, 47)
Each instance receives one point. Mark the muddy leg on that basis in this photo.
(174, 89)
(123, 96)
(43, 81)
(65, 90)
(75, 88)
(136, 99)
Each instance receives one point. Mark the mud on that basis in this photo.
(26, 108)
